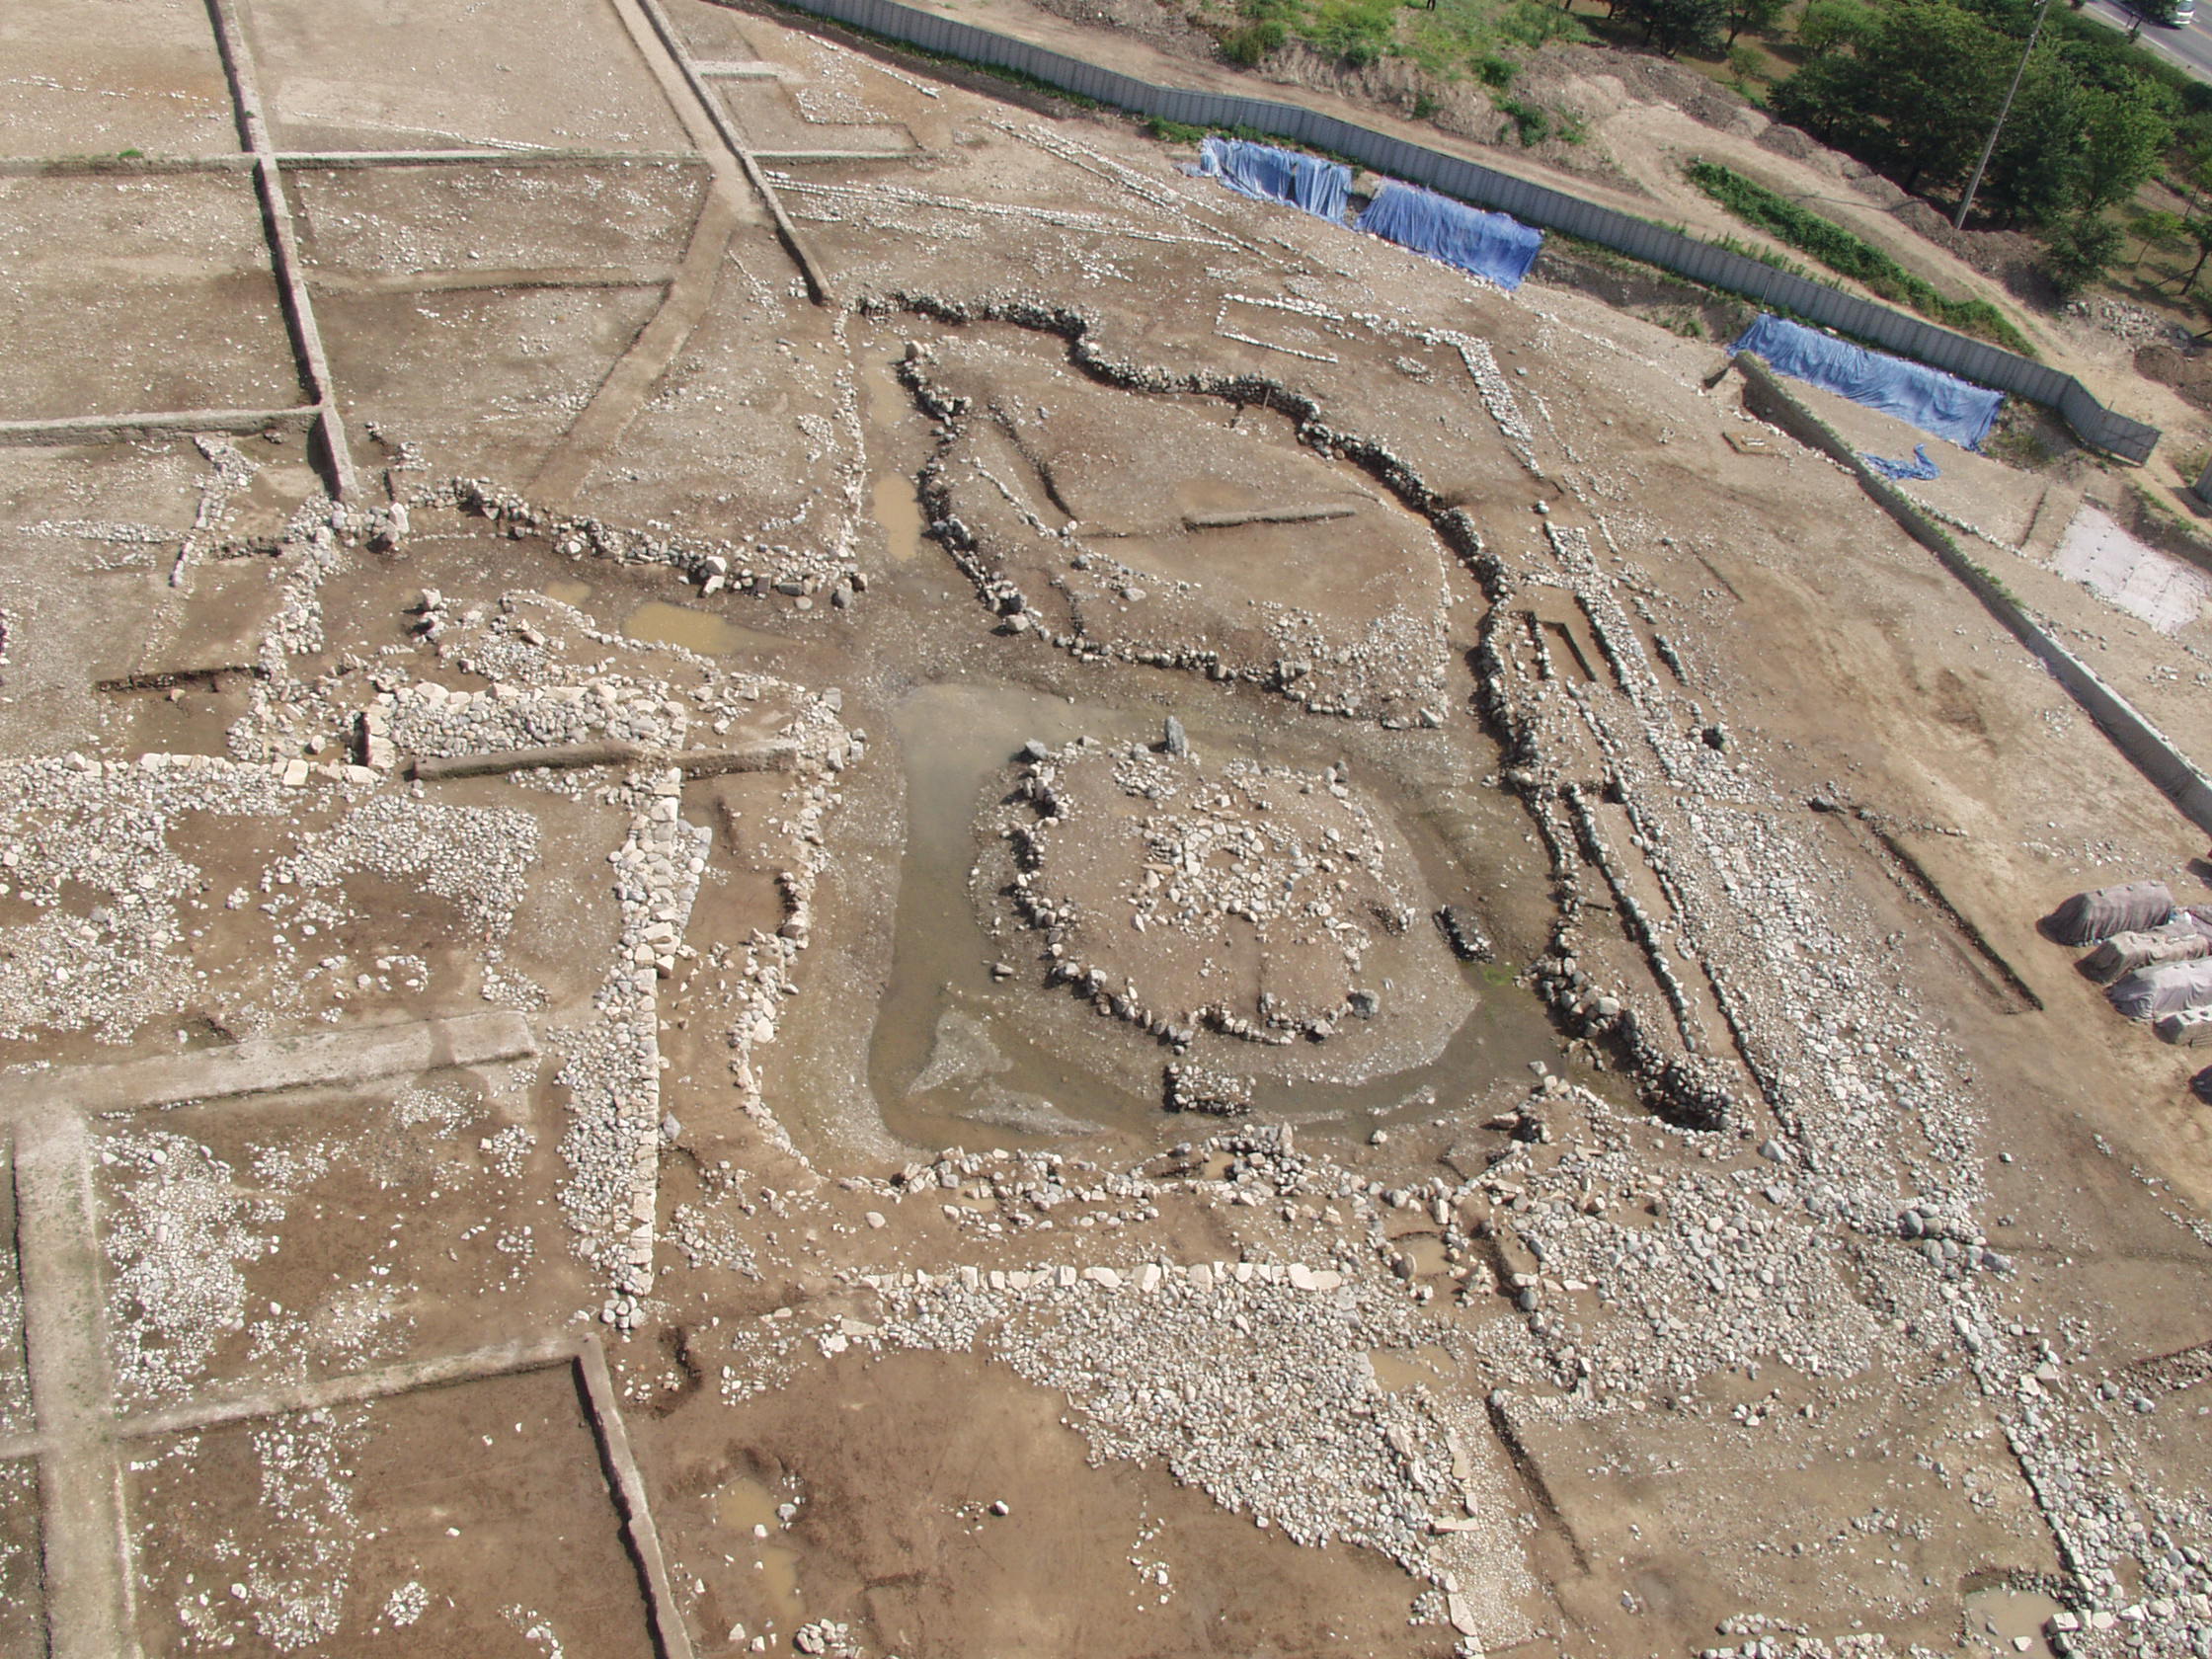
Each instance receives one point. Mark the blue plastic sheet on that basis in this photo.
(1920, 466)
(1276, 175)
(1929, 398)
(1490, 245)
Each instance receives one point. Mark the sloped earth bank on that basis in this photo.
(1645, 119)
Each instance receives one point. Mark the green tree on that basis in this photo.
(1830, 23)
(2036, 172)
(1753, 14)
(1828, 99)
(1913, 94)
(2126, 132)
(1674, 27)
(2080, 249)
(1936, 74)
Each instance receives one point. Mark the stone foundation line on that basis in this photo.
(308, 161)
(260, 1066)
(277, 219)
(121, 428)
(84, 1527)
(775, 756)
(818, 284)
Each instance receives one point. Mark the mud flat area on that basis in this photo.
(793, 861)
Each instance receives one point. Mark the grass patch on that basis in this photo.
(1352, 31)
(1764, 256)
(1483, 38)
(1182, 132)
(2018, 446)
(1173, 132)
(1851, 256)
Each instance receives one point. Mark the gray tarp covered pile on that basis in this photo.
(2183, 940)
(2189, 1029)
(2169, 989)
(2088, 919)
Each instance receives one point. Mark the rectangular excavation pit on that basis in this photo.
(326, 1230)
(767, 111)
(417, 74)
(187, 248)
(17, 1424)
(1957, 934)
(79, 80)
(1663, 1506)
(362, 228)
(22, 1615)
(1557, 622)
(1629, 874)
(475, 1504)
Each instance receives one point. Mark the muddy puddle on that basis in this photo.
(1396, 1369)
(657, 622)
(753, 1533)
(897, 510)
(2007, 1618)
(898, 440)
(568, 592)
(956, 1057)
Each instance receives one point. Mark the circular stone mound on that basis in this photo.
(1240, 898)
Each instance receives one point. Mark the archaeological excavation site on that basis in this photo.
(807, 847)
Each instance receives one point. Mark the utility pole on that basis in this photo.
(1975, 183)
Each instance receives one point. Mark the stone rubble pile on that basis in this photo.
(1193, 1086)
(614, 1141)
(759, 569)
(1290, 854)
(424, 717)
(612, 1146)
(1392, 673)
(105, 826)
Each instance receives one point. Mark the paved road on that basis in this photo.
(2191, 47)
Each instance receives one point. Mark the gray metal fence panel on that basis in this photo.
(1533, 204)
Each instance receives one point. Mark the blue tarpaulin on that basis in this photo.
(1929, 398)
(1920, 466)
(1490, 245)
(1275, 175)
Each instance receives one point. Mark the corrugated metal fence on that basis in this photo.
(1532, 203)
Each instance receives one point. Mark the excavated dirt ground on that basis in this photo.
(542, 1114)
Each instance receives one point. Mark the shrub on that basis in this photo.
(2079, 250)
(1247, 48)
(1531, 124)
